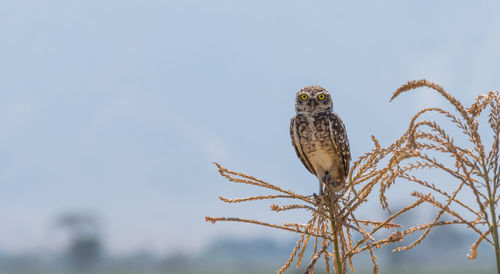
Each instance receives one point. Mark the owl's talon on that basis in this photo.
(332, 182)
(337, 183)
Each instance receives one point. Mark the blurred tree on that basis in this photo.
(85, 247)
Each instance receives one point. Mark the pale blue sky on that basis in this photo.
(119, 107)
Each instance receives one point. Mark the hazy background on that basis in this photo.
(112, 111)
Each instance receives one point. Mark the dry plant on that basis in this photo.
(333, 220)
(426, 145)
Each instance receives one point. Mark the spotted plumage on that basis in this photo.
(319, 137)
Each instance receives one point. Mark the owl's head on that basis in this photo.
(313, 99)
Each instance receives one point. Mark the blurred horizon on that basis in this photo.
(117, 109)
(442, 253)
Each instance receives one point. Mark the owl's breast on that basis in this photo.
(314, 133)
(322, 160)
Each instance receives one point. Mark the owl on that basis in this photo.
(320, 138)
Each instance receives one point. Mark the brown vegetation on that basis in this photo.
(333, 218)
(426, 145)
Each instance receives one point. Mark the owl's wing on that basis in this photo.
(338, 134)
(298, 146)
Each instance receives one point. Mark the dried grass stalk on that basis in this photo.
(426, 144)
(333, 218)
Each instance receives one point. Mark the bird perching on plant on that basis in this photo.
(320, 138)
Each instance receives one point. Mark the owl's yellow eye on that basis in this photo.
(321, 97)
(304, 97)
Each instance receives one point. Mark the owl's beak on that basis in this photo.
(312, 103)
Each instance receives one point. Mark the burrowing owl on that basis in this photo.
(319, 137)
